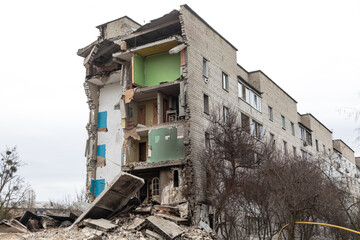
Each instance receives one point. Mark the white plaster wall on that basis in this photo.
(110, 95)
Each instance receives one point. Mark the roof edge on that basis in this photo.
(101, 25)
(208, 25)
(344, 144)
(273, 83)
(316, 120)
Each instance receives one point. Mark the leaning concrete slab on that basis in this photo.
(113, 198)
(166, 228)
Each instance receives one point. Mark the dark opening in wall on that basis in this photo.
(176, 178)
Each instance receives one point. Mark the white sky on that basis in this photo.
(309, 48)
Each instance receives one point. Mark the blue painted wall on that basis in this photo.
(102, 120)
(100, 150)
(97, 186)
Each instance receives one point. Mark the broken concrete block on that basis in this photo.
(153, 235)
(27, 216)
(183, 209)
(136, 224)
(12, 226)
(205, 226)
(143, 210)
(11, 236)
(48, 222)
(173, 218)
(166, 209)
(62, 216)
(113, 198)
(166, 228)
(101, 224)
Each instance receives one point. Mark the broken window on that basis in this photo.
(205, 68)
(245, 123)
(270, 112)
(206, 104)
(283, 122)
(155, 186)
(225, 83)
(176, 178)
(225, 113)
(256, 130)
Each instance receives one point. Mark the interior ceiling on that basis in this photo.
(143, 94)
(157, 48)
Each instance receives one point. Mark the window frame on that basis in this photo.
(225, 114)
(283, 122)
(225, 81)
(205, 68)
(257, 129)
(270, 113)
(206, 104)
(292, 128)
(285, 147)
(157, 186)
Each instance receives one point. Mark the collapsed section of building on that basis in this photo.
(150, 89)
(136, 85)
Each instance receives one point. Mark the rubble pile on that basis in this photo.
(114, 214)
(145, 222)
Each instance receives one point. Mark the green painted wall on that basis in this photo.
(162, 149)
(152, 70)
(139, 70)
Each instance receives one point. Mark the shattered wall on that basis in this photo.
(110, 134)
(151, 70)
(166, 144)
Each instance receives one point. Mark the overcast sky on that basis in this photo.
(311, 49)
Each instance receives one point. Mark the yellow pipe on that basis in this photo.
(322, 224)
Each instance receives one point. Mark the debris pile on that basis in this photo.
(114, 214)
(144, 222)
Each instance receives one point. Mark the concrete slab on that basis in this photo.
(101, 224)
(166, 228)
(113, 198)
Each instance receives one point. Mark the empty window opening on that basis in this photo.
(176, 178)
(142, 152)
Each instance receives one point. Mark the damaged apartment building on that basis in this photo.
(150, 90)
